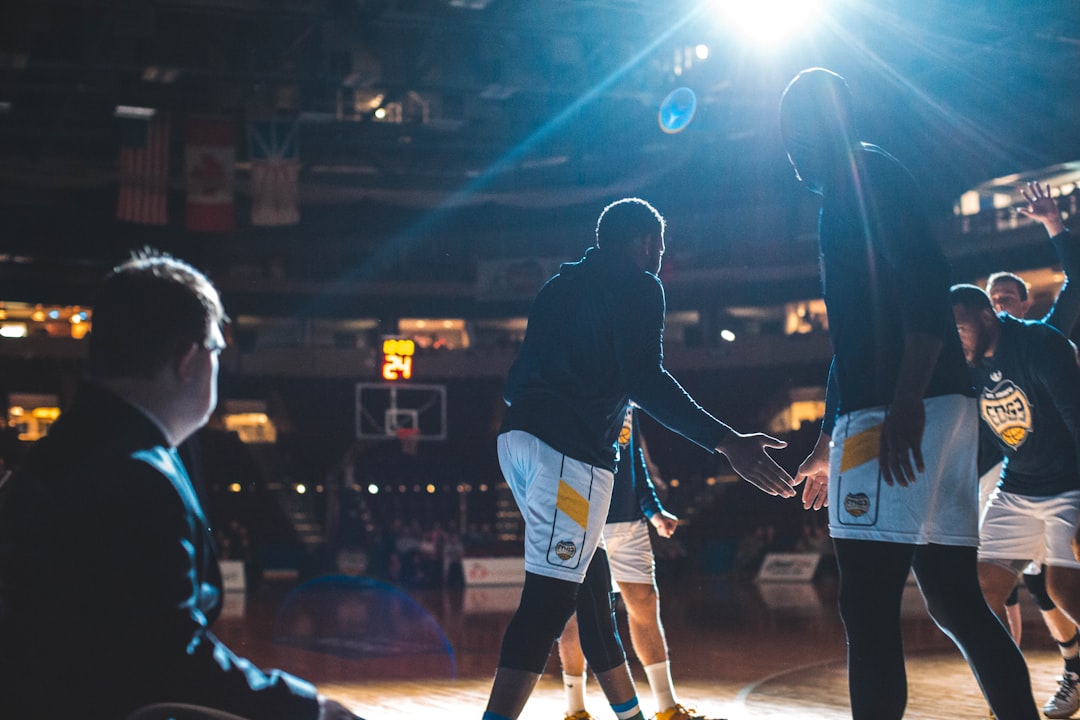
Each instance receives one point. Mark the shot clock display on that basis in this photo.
(397, 360)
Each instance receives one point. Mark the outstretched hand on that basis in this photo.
(814, 471)
(748, 458)
(1042, 208)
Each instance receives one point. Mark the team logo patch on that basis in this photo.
(1006, 409)
(857, 504)
(565, 549)
(627, 427)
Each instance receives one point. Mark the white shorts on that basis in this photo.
(940, 507)
(564, 503)
(629, 552)
(987, 485)
(1018, 528)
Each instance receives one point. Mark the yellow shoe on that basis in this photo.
(678, 712)
(580, 715)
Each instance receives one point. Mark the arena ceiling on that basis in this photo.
(533, 105)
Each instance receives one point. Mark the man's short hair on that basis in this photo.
(626, 220)
(150, 308)
(1021, 286)
(969, 296)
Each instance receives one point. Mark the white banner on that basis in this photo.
(233, 578)
(494, 571)
(788, 567)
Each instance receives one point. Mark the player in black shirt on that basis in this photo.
(896, 453)
(1029, 402)
(1008, 293)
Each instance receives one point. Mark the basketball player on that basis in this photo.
(634, 506)
(896, 453)
(594, 343)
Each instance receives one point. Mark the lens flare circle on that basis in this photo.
(677, 110)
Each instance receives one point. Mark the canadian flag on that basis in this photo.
(209, 169)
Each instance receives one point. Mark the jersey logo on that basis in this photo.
(565, 549)
(1006, 409)
(627, 427)
(857, 504)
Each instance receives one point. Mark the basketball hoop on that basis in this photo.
(409, 437)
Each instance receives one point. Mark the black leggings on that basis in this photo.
(872, 578)
(547, 604)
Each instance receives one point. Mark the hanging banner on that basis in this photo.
(209, 170)
(275, 172)
(144, 170)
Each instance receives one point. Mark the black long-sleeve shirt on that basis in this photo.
(1062, 316)
(884, 278)
(595, 341)
(1029, 402)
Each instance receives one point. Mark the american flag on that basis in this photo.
(144, 170)
(275, 173)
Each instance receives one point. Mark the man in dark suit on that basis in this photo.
(109, 580)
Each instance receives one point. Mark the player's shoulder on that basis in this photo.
(642, 288)
(885, 169)
(1038, 334)
(1036, 328)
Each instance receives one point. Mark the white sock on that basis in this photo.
(575, 692)
(659, 675)
(629, 710)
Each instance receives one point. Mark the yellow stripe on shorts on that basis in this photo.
(862, 447)
(573, 505)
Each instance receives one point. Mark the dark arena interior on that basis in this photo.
(379, 188)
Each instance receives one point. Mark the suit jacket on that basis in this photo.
(109, 580)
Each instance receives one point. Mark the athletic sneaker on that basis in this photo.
(1066, 700)
(678, 712)
(580, 715)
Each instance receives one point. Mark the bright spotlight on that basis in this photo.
(768, 22)
(702, 52)
(373, 489)
(727, 335)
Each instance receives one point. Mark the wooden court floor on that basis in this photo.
(738, 649)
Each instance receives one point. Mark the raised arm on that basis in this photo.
(1042, 208)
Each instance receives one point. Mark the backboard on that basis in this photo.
(385, 411)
